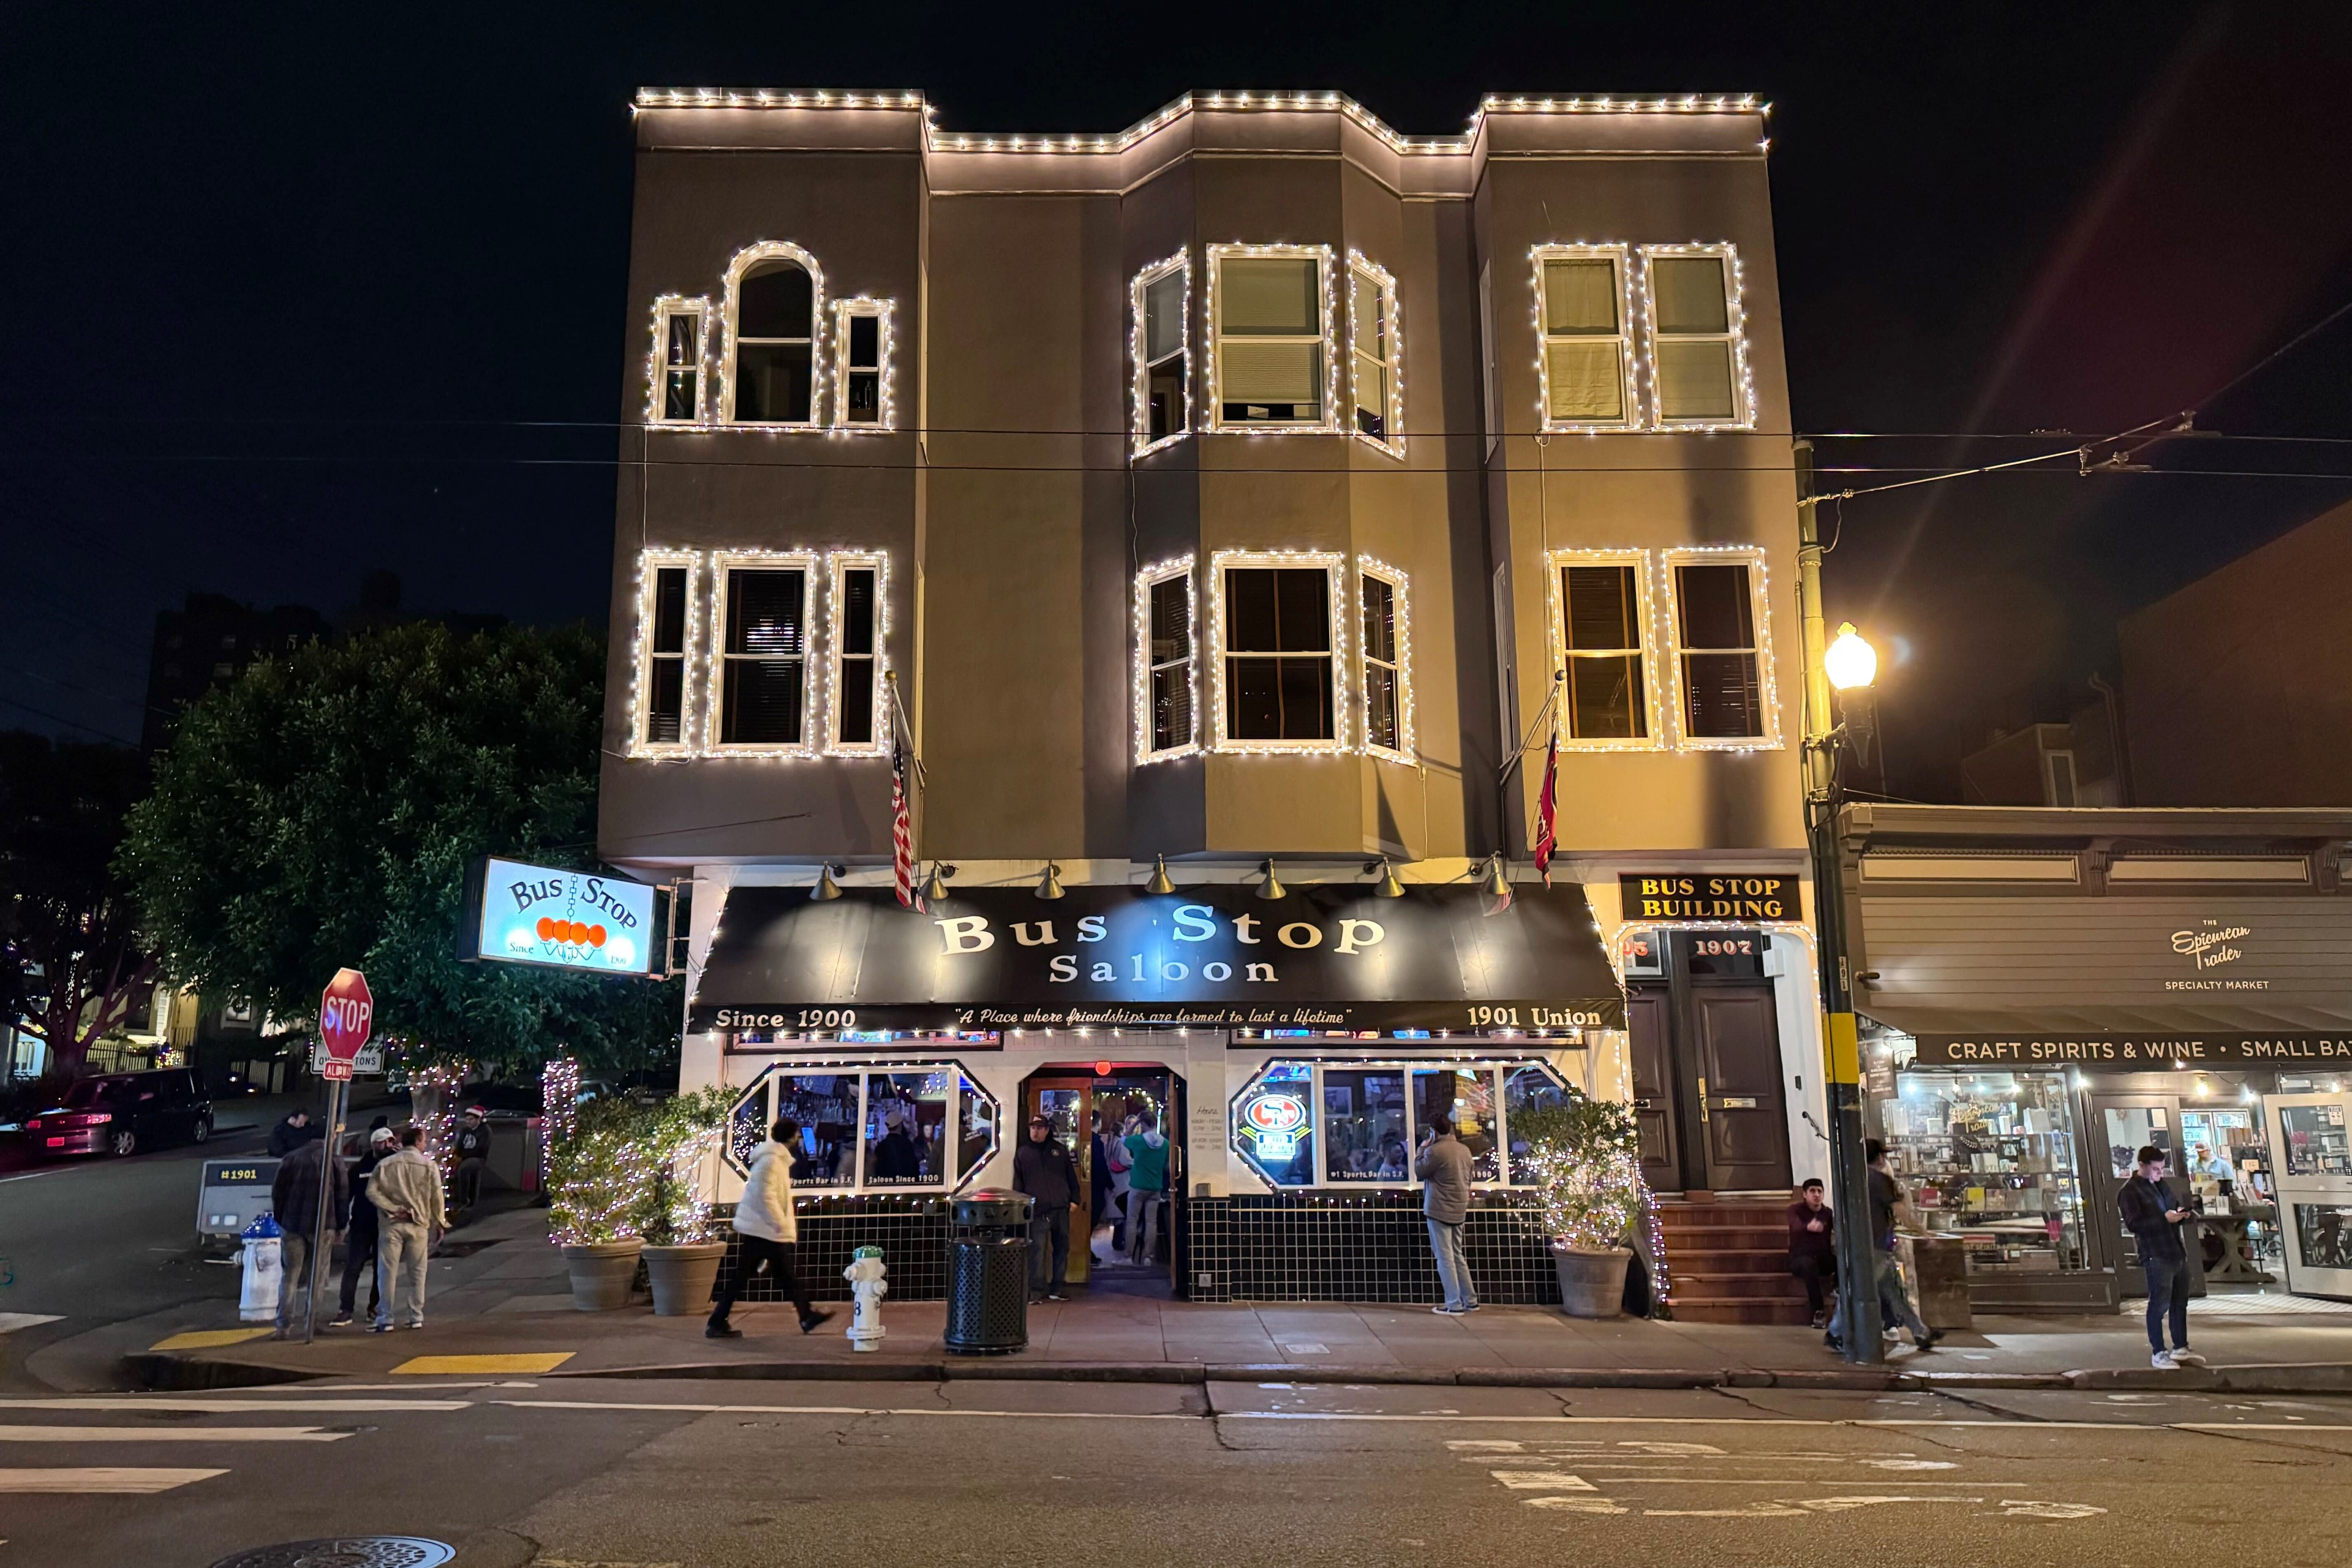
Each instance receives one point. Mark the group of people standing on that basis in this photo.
(389, 1209)
(1812, 1255)
(1126, 1180)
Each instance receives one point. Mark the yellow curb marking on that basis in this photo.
(427, 1365)
(209, 1339)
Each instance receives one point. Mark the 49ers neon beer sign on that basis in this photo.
(519, 913)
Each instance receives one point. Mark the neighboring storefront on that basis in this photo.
(2045, 992)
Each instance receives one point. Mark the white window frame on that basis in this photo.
(836, 607)
(1629, 364)
(1148, 579)
(1365, 273)
(1340, 602)
(1139, 346)
(1321, 255)
(1743, 384)
(650, 565)
(1760, 594)
(743, 261)
(813, 660)
(1647, 627)
(658, 366)
(884, 312)
(1372, 567)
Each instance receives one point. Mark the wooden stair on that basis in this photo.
(1727, 1261)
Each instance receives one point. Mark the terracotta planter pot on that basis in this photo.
(682, 1276)
(602, 1273)
(1591, 1280)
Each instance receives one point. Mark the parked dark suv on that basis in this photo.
(123, 1112)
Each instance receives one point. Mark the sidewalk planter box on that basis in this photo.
(1591, 1281)
(682, 1276)
(602, 1273)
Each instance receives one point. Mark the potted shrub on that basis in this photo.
(1587, 1157)
(600, 1202)
(684, 1245)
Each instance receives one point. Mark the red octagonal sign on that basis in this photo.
(346, 1015)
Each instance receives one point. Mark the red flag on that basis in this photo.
(902, 829)
(1547, 806)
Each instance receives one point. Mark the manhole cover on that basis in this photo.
(345, 1552)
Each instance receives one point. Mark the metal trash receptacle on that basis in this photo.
(988, 1273)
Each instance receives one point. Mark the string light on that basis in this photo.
(1335, 565)
(1372, 566)
(650, 563)
(1760, 613)
(443, 1081)
(1559, 561)
(1743, 379)
(884, 312)
(657, 364)
(559, 1113)
(1321, 255)
(737, 268)
(1392, 415)
(1151, 577)
(1628, 368)
(1138, 352)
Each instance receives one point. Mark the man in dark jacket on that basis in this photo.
(2152, 1213)
(361, 1236)
(1812, 1247)
(291, 1134)
(1044, 1169)
(472, 1147)
(294, 1200)
(1445, 1169)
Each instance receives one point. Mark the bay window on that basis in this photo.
(861, 369)
(1161, 300)
(774, 303)
(1277, 665)
(1376, 352)
(1387, 673)
(1165, 682)
(762, 617)
(1270, 321)
(666, 636)
(854, 645)
(674, 383)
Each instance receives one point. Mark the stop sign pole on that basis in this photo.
(346, 1019)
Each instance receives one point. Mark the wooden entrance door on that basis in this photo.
(1067, 1104)
(1743, 1116)
(1649, 1013)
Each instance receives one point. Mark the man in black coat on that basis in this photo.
(294, 1200)
(291, 1134)
(359, 1237)
(1044, 1169)
(2153, 1214)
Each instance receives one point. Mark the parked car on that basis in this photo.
(120, 1113)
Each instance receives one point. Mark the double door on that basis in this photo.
(1082, 1105)
(1707, 1093)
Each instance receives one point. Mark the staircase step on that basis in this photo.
(1747, 1287)
(1739, 1309)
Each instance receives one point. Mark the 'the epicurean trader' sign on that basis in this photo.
(1710, 896)
(1320, 957)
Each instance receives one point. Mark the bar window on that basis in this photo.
(666, 627)
(824, 1106)
(1273, 1125)
(1165, 726)
(773, 298)
(1278, 676)
(1602, 612)
(861, 393)
(1162, 296)
(1584, 359)
(1365, 1139)
(1721, 651)
(898, 1126)
(675, 397)
(1388, 701)
(1374, 355)
(763, 656)
(1694, 338)
(1465, 1096)
(906, 1129)
(1270, 345)
(855, 645)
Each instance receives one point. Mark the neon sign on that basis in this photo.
(566, 919)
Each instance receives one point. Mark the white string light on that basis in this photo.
(1646, 625)
(1743, 379)
(1372, 566)
(737, 268)
(1761, 613)
(1335, 565)
(1139, 351)
(1322, 256)
(650, 563)
(1392, 442)
(657, 358)
(1145, 581)
(886, 312)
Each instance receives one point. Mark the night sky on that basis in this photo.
(299, 293)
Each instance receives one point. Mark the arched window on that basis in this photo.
(774, 308)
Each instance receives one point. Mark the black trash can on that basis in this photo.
(988, 1273)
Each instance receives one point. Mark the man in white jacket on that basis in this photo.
(407, 1188)
(763, 1219)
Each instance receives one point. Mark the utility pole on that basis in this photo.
(1842, 1050)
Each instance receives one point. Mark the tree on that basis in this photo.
(320, 811)
(72, 959)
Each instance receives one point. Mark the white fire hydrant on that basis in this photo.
(867, 1283)
(257, 1300)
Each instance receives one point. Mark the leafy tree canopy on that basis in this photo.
(320, 811)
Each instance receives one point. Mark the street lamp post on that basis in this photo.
(1848, 664)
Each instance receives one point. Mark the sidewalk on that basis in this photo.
(506, 1298)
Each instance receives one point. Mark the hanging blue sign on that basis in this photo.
(565, 919)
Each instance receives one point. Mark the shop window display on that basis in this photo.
(1991, 1157)
(1302, 1124)
(1363, 1126)
(885, 1130)
(906, 1129)
(1465, 1097)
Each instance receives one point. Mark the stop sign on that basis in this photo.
(346, 1015)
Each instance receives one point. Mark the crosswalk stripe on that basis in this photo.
(231, 1407)
(169, 1434)
(442, 1365)
(11, 1321)
(210, 1339)
(100, 1479)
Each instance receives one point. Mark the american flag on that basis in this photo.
(902, 829)
(1547, 805)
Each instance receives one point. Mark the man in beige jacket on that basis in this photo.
(407, 1188)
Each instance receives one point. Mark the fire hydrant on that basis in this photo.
(867, 1283)
(257, 1301)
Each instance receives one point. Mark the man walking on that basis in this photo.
(1044, 1169)
(1443, 1166)
(1886, 1195)
(362, 1235)
(412, 1211)
(2151, 1214)
(472, 1146)
(770, 1235)
(294, 1199)
(1812, 1247)
(291, 1134)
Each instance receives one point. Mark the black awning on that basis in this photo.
(1322, 957)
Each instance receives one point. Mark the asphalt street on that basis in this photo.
(567, 1473)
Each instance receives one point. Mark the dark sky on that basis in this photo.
(300, 293)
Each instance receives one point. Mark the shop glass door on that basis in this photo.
(2312, 1151)
(2122, 1125)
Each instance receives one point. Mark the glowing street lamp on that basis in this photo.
(1850, 662)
